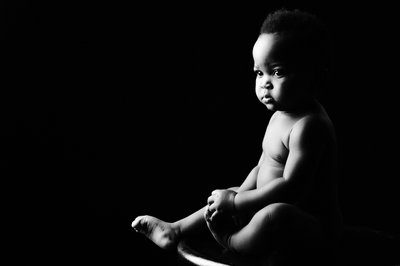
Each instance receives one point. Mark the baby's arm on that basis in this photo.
(306, 144)
(251, 180)
(222, 199)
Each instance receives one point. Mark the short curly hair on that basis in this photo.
(306, 29)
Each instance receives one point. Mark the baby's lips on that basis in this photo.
(267, 99)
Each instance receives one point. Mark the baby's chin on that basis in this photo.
(271, 106)
(272, 109)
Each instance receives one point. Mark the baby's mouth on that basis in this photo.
(266, 99)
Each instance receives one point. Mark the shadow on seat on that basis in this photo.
(206, 252)
(361, 246)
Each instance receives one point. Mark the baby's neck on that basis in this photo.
(308, 107)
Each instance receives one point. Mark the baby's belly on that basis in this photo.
(268, 172)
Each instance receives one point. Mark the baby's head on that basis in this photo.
(291, 56)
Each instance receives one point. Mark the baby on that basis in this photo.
(289, 198)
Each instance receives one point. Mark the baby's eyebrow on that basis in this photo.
(271, 64)
(276, 63)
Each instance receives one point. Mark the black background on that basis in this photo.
(113, 110)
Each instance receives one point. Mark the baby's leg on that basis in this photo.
(163, 234)
(167, 235)
(276, 226)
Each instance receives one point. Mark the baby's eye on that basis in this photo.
(258, 73)
(278, 72)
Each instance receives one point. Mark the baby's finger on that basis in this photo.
(212, 208)
(210, 200)
(208, 213)
(213, 215)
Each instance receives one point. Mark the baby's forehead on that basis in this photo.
(274, 47)
(280, 47)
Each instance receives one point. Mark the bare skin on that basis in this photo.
(289, 197)
(167, 235)
(163, 234)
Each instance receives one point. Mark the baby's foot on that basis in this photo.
(220, 228)
(163, 234)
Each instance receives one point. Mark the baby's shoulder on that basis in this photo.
(313, 126)
(310, 120)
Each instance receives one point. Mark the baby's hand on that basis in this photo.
(220, 201)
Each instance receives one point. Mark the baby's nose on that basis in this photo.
(266, 85)
(266, 82)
